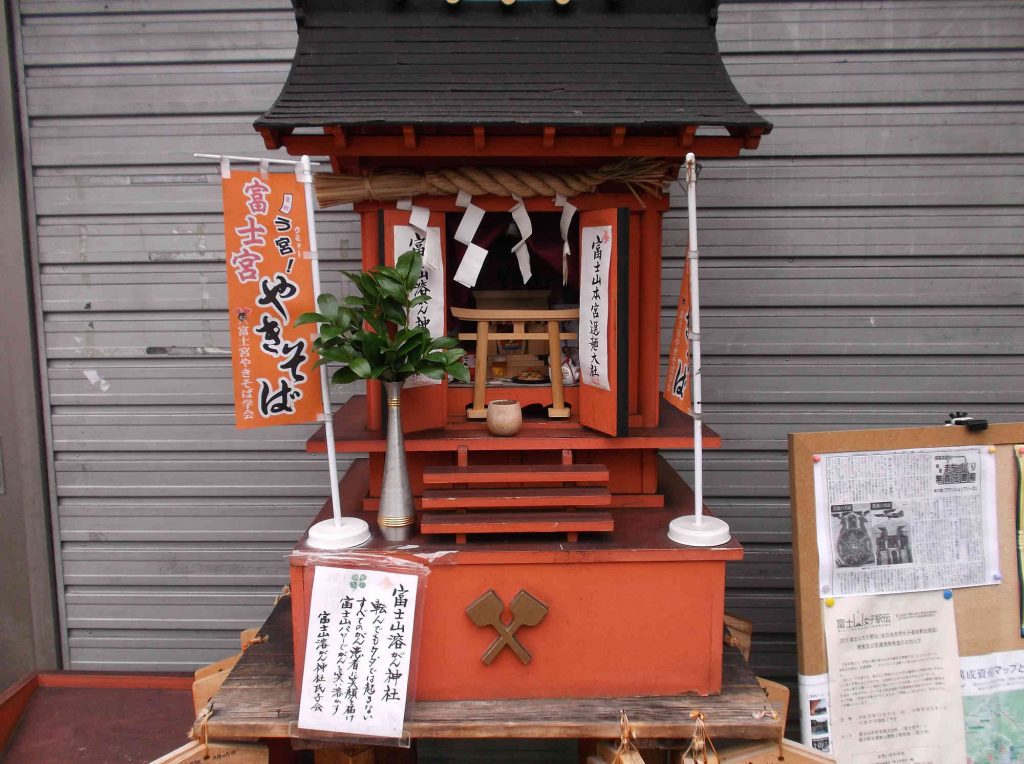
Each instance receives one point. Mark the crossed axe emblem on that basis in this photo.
(526, 610)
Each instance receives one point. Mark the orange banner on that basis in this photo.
(678, 390)
(270, 283)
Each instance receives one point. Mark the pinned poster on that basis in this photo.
(678, 384)
(270, 283)
(894, 679)
(359, 648)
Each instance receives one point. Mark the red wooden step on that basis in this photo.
(517, 522)
(517, 498)
(516, 473)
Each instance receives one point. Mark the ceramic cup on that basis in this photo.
(504, 417)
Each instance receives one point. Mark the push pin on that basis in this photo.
(829, 602)
(948, 594)
(991, 449)
(817, 459)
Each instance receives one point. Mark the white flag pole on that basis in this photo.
(695, 367)
(338, 532)
(305, 175)
(696, 529)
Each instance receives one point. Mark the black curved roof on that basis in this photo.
(650, 64)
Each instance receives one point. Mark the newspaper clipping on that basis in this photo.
(904, 521)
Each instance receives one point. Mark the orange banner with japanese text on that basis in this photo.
(678, 390)
(270, 283)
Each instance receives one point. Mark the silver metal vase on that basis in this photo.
(397, 515)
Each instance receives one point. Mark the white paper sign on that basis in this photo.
(894, 679)
(431, 313)
(358, 652)
(993, 690)
(595, 255)
(908, 520)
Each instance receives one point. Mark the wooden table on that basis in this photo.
(257, 701)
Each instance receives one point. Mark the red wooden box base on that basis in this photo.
(629, 613)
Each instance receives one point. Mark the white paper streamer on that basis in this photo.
(568, 211)
(522, 221)
(469, 268)
(419, 218)
(469, 225)
(473, 259)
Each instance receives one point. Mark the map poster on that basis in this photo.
(894, 679)
(993, 691)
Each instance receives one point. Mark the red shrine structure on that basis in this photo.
(573, 510)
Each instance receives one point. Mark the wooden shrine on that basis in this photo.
(573, 510)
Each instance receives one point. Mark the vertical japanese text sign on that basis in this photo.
(359, 645)
(270, 283)
(595, 253)
(678, 390)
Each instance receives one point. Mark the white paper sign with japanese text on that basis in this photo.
(906, 520)
(595, 259)
(894, 679)
(358, 652)
(428, 314)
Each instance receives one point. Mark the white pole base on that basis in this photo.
(710, 531)
(327, 534)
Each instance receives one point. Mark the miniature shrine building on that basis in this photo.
(435, 86)
(556, 129)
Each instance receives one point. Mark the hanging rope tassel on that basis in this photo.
(626, 752)
(700, 743)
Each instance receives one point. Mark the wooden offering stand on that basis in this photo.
(574, 510)
(518, 318)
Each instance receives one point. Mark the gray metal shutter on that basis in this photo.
(847, 283)
(173, 525)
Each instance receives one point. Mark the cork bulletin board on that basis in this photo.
(987, 617)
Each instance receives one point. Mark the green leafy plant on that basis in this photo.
(369, 333)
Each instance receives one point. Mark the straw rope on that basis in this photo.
(647, 176)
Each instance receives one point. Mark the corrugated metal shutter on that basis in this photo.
(173, 525)
(856, 273)
(863, 267)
